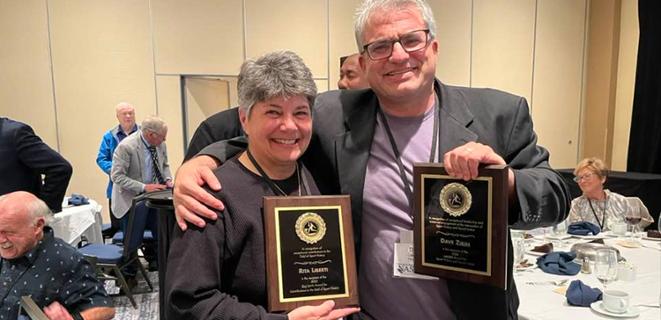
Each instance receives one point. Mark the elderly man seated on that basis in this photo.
(35, 263)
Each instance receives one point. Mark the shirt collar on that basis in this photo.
(144, 141)
(120, 131)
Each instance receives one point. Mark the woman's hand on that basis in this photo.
(323, 311)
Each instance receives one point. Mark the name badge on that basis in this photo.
(403, 259)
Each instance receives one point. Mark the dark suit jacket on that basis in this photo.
(344, 123)
(24, 157)
(219, 126)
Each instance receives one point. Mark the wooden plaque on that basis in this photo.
(460, 227)
(309, 252)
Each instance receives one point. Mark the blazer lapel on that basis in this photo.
(456, 119)
(353, 146)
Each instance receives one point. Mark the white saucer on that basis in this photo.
(562, 236)
(611, 234)
(632, 312)
(536, 253)
(590, 237)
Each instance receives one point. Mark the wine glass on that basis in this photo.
(559, 230)
(632, 218)
(605, 266)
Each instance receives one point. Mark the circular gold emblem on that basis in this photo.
(310, 227)
(455, 199)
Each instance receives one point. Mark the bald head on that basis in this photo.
(22, 218)
(125, 115)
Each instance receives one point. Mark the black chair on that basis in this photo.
(105, 257)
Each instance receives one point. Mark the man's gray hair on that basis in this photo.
(153, 124)
(275, 74)
(34, 207)
(368, 7)
(38, 209)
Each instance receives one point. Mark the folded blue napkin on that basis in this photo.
(583, 228)
(559, 262)
(78, 199)
(580, 294)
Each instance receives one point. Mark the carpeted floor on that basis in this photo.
(147, 301)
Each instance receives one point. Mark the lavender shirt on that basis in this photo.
(385, 213)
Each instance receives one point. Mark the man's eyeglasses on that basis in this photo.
(410, 42)
(586, 176)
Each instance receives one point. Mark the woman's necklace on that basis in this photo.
(274, 186)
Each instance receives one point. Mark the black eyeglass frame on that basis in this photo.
(392, 44)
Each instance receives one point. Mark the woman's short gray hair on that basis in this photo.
(275, 74)
(153, 124)
(365, 10)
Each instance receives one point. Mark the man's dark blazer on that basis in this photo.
(24, 157)
(344, 124)
(219, 126)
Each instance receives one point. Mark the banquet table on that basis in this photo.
(539, 301)
(76, 221)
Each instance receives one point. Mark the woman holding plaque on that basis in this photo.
(598, 205)
(219, 272)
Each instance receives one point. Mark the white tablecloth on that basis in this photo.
(540, 302)
(73, 222)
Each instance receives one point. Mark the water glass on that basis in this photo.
(605, 266)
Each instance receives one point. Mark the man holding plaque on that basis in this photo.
(219, 272)
(365, 144)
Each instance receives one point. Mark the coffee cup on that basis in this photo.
(615, 301)
(619, 228)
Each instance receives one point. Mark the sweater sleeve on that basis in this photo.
(196, 264)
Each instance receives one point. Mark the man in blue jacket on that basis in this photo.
(126, 117)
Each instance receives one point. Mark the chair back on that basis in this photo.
(133, 236)
(635, 202)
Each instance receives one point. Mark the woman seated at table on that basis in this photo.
(219, 272)
(598, 205)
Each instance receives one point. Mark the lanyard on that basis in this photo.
(408, 189)
(274, 187)
(603, 213)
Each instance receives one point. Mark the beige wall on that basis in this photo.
(67, 63)
(626, 78)
(601, 75)
(26, 88)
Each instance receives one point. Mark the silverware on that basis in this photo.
(648, 305)
(550, 282)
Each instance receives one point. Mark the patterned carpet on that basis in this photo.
(147, 301)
